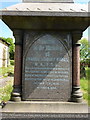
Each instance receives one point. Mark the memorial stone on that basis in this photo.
(47, 73)
(47, 59)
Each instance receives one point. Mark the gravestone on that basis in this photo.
(47, 73)
(47, 65)
(47, 58)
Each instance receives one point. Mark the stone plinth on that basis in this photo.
(45, 110)
(45, 107)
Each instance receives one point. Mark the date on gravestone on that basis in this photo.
(46, 70)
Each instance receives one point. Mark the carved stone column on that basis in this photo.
(76, 93)
(16, 94)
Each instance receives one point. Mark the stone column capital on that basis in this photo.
(18, 34)
(76, 36)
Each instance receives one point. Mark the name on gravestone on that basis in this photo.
(47, 69)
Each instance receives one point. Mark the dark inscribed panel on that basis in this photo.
(47, 70)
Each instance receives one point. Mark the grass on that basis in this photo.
(5, 92)
(85, 86)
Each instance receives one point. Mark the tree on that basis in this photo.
(84, 56)
(11, 47)
(85, 51)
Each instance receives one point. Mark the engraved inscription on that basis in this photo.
(47, 69)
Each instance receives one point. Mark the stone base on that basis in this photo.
(44, 110)
(16, 93)
(76, 94)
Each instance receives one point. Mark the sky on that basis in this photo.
(5, 30)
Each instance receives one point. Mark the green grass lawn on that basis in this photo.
(5, 91)
(85, 86)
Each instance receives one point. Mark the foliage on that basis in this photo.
(7, 71)
(11, 47)
(11, 62)
(85, 85)
(85, 51)
(82, 71)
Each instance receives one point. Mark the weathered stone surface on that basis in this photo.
(27, 116)
(45, 110)
(47, 67)
(45, 107)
